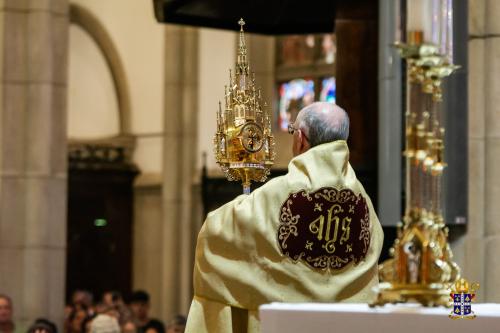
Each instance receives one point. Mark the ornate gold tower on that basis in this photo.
(421, 268)
(243, 144)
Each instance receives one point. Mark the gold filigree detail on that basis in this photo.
(289, 227)
(335, 195)
(306, 195)
(365, 230)
(325, 262)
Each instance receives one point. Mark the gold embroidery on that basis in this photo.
(316, 227)
(346, 229)
(306, 221)
(329, 246)
(290, 226)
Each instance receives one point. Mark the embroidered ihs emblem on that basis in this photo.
(326, 229)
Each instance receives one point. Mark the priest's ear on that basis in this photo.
(300, 142)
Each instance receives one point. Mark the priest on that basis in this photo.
(311, 235)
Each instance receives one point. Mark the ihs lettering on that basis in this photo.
(324, 230)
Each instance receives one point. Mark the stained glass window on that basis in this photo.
(294, 95)
(328, 91)
(305, 72)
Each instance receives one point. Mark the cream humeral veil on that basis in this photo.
(239, 265)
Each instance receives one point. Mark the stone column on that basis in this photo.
(390, 144)
(473, 262)
(33, 70)
(490, 37)
(180, 218)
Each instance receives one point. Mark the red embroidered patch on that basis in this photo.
(326, 229)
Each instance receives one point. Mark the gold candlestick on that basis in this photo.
(421, 268)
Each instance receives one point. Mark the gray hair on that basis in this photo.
(324, 122)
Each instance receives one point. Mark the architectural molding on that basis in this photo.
(89, 22)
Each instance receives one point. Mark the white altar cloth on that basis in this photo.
(347, 318)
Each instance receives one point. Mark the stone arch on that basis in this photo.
(88, 22)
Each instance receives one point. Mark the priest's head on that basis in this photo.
(318, 123)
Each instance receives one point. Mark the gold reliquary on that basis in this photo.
(243, 143)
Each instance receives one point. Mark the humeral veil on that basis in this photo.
(270, 246)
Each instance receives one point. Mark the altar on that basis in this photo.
(357, 318)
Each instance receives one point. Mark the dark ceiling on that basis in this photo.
(272, 17)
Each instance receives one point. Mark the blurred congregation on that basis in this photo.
(85, 314)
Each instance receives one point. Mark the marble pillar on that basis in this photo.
(492, 148)
(33, 169)
(181, 213)
(390, 144)
(482, 243)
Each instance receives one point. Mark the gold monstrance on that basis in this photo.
(244, 144)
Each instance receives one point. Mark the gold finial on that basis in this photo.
(242, 46)
(242, 67)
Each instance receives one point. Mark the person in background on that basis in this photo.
(129, 327)
(86, 323)
(113, 300)
(177, 324)
(75, 319)
(151, 328)
(42, 325)
(6, 322)
(139, 305)
(81, 299)
(104, 323)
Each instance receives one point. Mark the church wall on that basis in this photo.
(139, 42)
(92, 105)
(148, 242)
